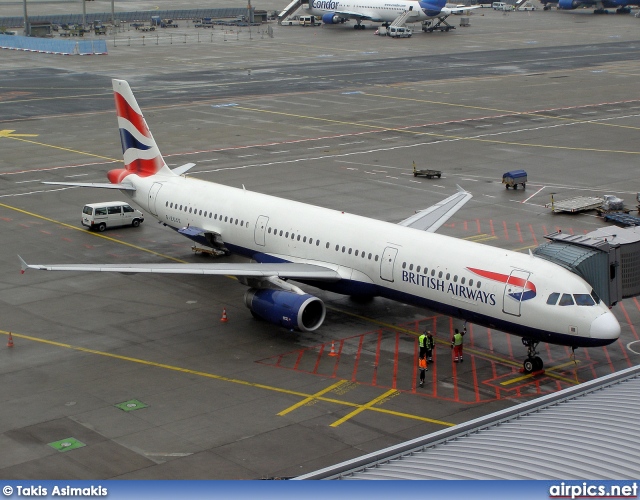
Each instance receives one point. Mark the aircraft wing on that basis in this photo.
(454, 10)
(249, 269)
(351, 15)
(104, 185)
(435, 216)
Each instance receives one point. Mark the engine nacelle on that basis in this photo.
(302, 312)
(569, 4)
(331, 18)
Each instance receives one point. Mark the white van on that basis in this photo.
(399, 32)
(100, 216)
(498, 5)
(309, 21)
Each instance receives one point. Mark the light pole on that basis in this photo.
(27, 30)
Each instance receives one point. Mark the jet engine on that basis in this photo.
(331, 18)
(291, 310)
(569, 4)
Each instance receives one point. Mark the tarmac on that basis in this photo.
(135, 376)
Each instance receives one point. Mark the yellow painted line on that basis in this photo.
(529, 375)
(98, 235)
(363, 407)
(312, 397)
(523, 248)
(10, 134)
(222, 378)
(480, 237)
(61, 148)
(443, 136)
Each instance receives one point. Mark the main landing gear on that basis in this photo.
(533, 363)
(359, 25)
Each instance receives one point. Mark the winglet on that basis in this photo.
(23, 265)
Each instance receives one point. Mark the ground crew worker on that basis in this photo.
(422, 342)
(431, 345)
(456, 345)
(422, 364)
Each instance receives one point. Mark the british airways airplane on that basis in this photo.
(384, 11)
(290, 241)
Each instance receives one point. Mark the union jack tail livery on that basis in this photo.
(140, 151)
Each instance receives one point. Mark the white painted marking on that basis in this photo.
(75, 175)
(245, 156)
(525, 201)
(630, 348)
(466, 179)
(24, 182)
(511, 123)
(278, 152)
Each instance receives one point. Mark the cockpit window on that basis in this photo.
(553, 298)
(583, 299)
(595, 296)
(566, 300)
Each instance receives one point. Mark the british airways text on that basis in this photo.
(452, 288)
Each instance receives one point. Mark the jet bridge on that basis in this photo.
(608, 259)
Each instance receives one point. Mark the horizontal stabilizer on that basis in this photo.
(183, 169)
(249, 269)
(103, 185)
(432, 218)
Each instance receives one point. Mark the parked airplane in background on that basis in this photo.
(599, 6)
(517, 293)
(381, 11)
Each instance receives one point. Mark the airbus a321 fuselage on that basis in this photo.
(290, 241)
(383, 11)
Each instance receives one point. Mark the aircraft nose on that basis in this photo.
(605, 326)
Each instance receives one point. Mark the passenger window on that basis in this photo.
(410, 267)
(293, 236)
(101, 211)
(127, 209)
(280, 230)
(566, 300)
(447, 276)
(343, 249)
(455, 278)
(114, 210)
(349, 251)
(304, 240)
(440, 274)
(226, 217)
(583, 299)
(369, 257)
(463, 280)
(199, 212)
(376, 258)
(404, 265)
(269, 230)
(478, 284)
(356, 253)
(470, 282)
(337, 247)
(553, 298)
(205, 213)
(418, 269)
(298, 238)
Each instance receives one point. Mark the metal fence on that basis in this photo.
(53, 46)
(126, 17)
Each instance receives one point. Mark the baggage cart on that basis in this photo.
(513, 178)
(428, 173)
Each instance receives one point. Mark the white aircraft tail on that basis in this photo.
(139, 149)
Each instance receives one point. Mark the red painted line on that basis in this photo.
(375, 366)
(504, 226)
(454, 373)
(67, 239)
(478, 225)
(395, 362)
(470, 332)
(606, 351)
(549, 357)
(509, 344)
(558, 229)
(279, 359)
(637, 303)
(626, 316)
(7, 219)
(434, 378)
(493, 232)
(295, 366)
(544, 229)
(335, 365)
(519, 232)
(490, 339)
(495, 375)
(476, 389)
(355, 367)
(45, 232)
(570, 230)
(535, 240)
(315, 368)
(588, 358)
(465, 225)
(415, 367)
(624, 352)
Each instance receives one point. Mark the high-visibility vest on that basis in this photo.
(457, 339)
(422, 340)
(422, 363)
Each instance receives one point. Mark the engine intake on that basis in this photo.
(331, 18)
(301, 312)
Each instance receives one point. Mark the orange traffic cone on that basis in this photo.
(224, 315)
(333, 349)
(10, 342)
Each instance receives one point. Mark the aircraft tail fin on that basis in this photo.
(139, 149)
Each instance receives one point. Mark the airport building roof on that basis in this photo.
(588, 431)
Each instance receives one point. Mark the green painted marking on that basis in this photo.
(132, 404)
(67, 444)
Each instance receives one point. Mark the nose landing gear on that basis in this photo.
(533, 363)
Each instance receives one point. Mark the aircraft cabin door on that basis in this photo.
(261, 228)
(514, 289)
(153, 194)
(387, 262)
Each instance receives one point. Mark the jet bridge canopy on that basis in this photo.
(608, 259)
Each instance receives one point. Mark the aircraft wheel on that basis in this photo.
(355, 26)
(528, 365)
(538, 363)
(515, 186)
(506, 186)
(102, 226)
(524, 185)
